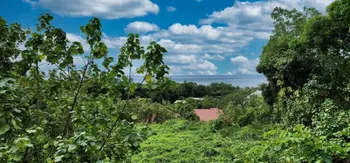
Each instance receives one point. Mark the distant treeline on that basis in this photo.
(172, 91)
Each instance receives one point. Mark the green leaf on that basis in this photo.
(17, 157)
(4, 129)
(148, 78)
(30, 145)
(154, 86)
(17, 110)
(14, 124)
(71, 147)
(58, 158)
(30, 131)
(76, 48)
(134, 117)
(327, 160)
(100, 50)
(133, 87)
(13, 149)
(125, 79)
(41, 57)
(107, 61)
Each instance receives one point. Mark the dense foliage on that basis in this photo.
(95, 112)
(54, 116)
(186, 141)
(307, 63)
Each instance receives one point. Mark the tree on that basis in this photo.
(70, 112)
(306, 62)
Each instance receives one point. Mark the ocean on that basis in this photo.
(235, 80)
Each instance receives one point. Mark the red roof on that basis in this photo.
(207, 114)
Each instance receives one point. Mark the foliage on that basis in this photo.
(87, 113)
(251, 110)
(186, 111)
(148, 112)
(186, 141)
(179, 91)
(57, 116)
(298, 145)
(306, 63)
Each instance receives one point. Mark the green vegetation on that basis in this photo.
(96, 113)
(186, 141)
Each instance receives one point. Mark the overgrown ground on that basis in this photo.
(186, 141)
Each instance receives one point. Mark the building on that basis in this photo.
(207, 114)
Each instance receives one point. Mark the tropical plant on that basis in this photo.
(53, 115)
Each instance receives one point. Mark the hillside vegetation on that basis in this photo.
(96, 112)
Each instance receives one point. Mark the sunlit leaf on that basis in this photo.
(4, 129)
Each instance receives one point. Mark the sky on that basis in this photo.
(202, 37)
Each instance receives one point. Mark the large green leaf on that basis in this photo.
(4, 129)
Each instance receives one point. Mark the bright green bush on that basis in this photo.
(186, 111)
(298, 145)
(148, 112)
(188, 141)
(252, 110)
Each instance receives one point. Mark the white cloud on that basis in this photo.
(141, 27)
(239, 59)
(213, 57)
(108, 9)
(175, 70)
(245, 66)
(190, 47)
(190, 64)
(181, 59)
(114, 42)
(171, 9)
(228, 73)
(256, 15)
(201, 65)
(75, 37)
(178, 47)
(118, 42)
(205, 31)
(79, 61)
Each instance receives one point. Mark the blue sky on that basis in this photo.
(203, 37)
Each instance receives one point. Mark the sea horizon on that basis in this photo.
(235, 80)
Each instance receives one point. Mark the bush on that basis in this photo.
(253, 110)
(187, 141)
(186, 111)
(298, 145)
(148, 112)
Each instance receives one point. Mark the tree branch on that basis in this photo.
(69, 118)
(115, 122)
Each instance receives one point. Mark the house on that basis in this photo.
(207, 114)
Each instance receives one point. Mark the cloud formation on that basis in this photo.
(108, 9)
(245, 66)
(195, 49)
(141, 27)
(256, 15)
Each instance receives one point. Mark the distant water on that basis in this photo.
(235, 80)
